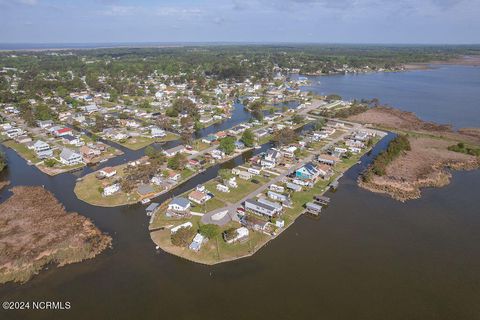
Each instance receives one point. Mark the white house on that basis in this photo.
(197, 242)
(241, 233)
(157, 133)
(232, 183)
(69, 157)
(108, 172)
(179, 204)
(223, 188)
(218, 154)
(183, 225)
(276, 188)
(108, 191)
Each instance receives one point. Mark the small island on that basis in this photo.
(35, 230)
(419, 156)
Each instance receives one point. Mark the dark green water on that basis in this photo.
(367, 257)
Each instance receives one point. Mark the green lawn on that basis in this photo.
(244, 188)
(22, 150)
(210, 205)
(137, 143)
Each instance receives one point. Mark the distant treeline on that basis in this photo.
(396, 147)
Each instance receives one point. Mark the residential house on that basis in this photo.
(44, 123)
(327, 159)
(69, 139)
(180, 226)
(145, 190)
(111, 189)
(241, 234)
(293, 186)
(198, 197)
(223, 188)
(69, 157)
(245, 175)
(173, 151)
(277, 196)
(325, 171)
(179, 204)
(218, 154)
(196, 242)
(157, 132)
(276, 188)
(108, 172)
(152, 208)
(307, 172)
(261, 209)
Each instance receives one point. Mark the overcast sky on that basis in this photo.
(324, 21)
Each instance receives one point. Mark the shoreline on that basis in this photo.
(428, 162)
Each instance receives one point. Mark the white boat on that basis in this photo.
(145, 201)
(258, 147)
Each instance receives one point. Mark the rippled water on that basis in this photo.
(367, 257)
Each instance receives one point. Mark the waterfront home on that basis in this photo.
(327, 159)
(157, 180)
(173, 151)
(109, 190)
(145, 190)
(88, 153)
(198, 197)
(152, 208)
(272, 155)
(354, 149)
(236, 171)
(40, 145)
(69, 157)
(289, 152)
(278, 207)
(157, 133)
(209, 139)
(254, 223)
(222, 188)
(196, 242)
(259, 208)
(325, 171)
(108, 172)
(307, 172)
(361, 136)
(180, 226)
(267, 164)
(218, 154)
(174, 176)
(239, 235)
(354, 143)
(313, 207)
(179, 204)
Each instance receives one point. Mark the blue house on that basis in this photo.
(307, 172)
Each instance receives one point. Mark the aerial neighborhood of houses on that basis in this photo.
(178, 129)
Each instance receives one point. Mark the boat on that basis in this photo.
(145, 201)
(257, 147)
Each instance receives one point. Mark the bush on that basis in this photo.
(209, 230)
(394, 149)
(183, 237)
